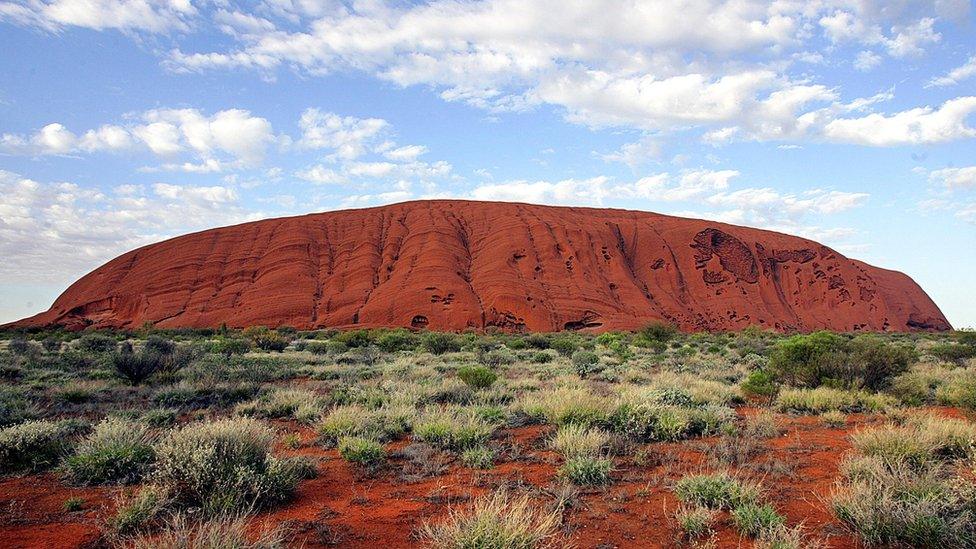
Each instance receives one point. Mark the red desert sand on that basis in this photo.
(456, 265)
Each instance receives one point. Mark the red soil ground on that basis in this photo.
(455, 265)
(347, 507)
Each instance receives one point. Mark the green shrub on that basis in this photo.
(952, 352)
(759, 383)
(660, 332)
(715, 491)
(136, 367)
(397, 340)
(477, 377)
(585, 362)
(361, 451)
(96, 343)
(495, 521)
(223, 466)
(438, 343)
(754, 519)
(587, 470)
(19, 346)
(14, 406)
(229, 347)
(135, 512)
(34, 445)
(73, 505)
(266, 339)
(117, 450)
(808, 360)
(354, 339)
(542, 357)
(875, 362)
(564, 345)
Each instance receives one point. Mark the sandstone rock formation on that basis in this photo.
(455, 265)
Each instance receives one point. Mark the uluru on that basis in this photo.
(459, 265)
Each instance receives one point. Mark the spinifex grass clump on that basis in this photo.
(496, 521)
(117, 450)
(716, 491)
(908, 485)
(35, 445)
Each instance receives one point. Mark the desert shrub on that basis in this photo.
(494, 358)
(397, 340)
(51, 345)
(585, 362)
(874, 362)
(19, 346)
(136, 367)
(496, 521)
(825, 399)
(477, 377)
(661, 332)
(205, 395)
(715, 491)
(230, 346)
(354, 338)
(573, 441)
(665, 414)
(160, 345)
(324, 347)
(564, 345)
(587, 470)
(537, 341)
(565, 405)
(222, 532)
(301, 404)
(223, 466)
(361, 451)
(14, 406)
(754, 519)
(96, 343)
(760, 384)
(452, 428)
(160, 417)
(808, 360)
(266, 339)
(695, 522)
(542, 357)
(438, 343)
(952, 352)
(919, 385)
(117, 450)
(34, 445)
(478, 457)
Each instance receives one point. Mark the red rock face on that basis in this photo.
(456, 265)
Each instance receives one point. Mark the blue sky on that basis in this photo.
(851, 122)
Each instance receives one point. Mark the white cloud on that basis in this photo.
(956, 75)
(154, 16)
(348, 136)
(407, 153)
(866, 60)
(54, 232)
(590, 191)
(635, 154)
(321, 174)
(955, 178)
(232, 133)
(909, 127)
(691, 184)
